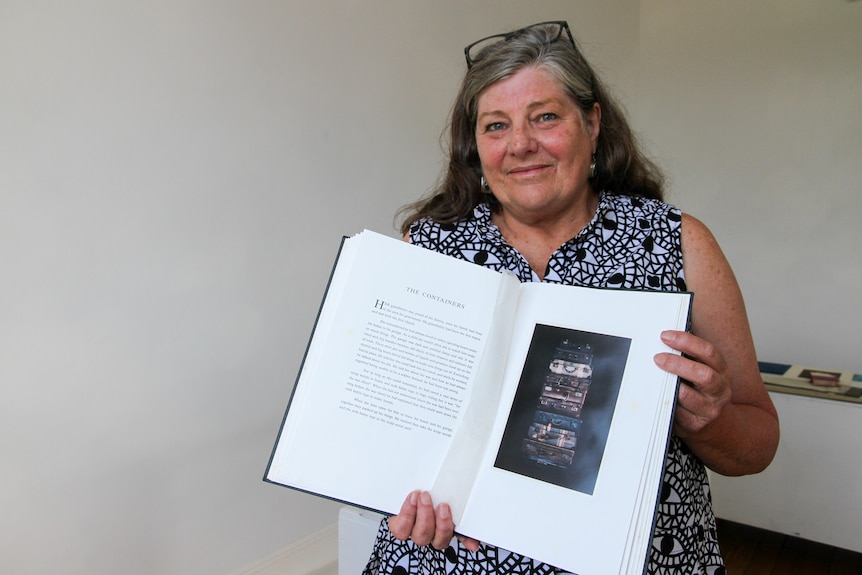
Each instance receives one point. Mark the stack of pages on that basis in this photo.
(535, 410)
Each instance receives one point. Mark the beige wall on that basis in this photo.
(175, 176)
(754, 108)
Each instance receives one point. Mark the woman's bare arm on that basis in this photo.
(724, 413)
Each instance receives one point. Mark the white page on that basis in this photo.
(354, 424)
(562, 526)
(640, 530)
(461, 464)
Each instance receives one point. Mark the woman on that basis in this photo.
(545, 179)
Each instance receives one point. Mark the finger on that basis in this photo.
(445, 528)
(401, 525)
(698, 376)
(696, 409)
(469, 543)
(694, 347)
(425, 525)
(688, 422)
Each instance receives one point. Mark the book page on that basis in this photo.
(388, 375)
(461, 464)
(571, 467)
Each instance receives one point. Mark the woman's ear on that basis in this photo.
(594, 123)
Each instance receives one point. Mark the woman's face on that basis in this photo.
(534, 145)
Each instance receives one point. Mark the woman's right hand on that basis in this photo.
(420, 521)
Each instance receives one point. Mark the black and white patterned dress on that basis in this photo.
(630, 243)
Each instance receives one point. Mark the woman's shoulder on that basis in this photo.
(698, 241)
(640, 204)
(641, 214)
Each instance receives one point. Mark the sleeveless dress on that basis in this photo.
(631, 243)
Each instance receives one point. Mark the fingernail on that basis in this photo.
(425, 498)
(412, 497)
(445, 512)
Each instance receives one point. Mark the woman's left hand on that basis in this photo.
(704, 389)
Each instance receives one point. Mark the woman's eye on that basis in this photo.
(547, 117)
(494, 127)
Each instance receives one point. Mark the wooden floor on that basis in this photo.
(751, 551)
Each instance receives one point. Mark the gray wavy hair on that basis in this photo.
(621, 168)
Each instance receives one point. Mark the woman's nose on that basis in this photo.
(523, 140)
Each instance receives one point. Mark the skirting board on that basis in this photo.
(316, 554)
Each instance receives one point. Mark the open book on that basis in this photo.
(535, 410)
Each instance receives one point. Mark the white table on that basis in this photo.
(813, 488)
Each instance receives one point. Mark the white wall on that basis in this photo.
(755, 108)
(174, 178)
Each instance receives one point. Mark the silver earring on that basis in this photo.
(593, 166)
(484, 183)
